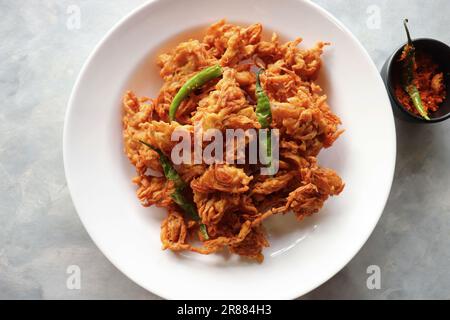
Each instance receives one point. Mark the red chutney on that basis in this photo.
(430, 83)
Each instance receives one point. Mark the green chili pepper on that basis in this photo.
(171, 174)
(264, 114)
(190, 209)
(192, 84)
(263, 111)
(409, 53)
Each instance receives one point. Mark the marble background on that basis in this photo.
(41, 235)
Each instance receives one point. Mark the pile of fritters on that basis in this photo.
(233, 200)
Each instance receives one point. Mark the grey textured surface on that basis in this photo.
(41, 235)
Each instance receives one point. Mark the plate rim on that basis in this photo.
(70, 109)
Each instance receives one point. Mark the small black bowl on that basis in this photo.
(440, 53)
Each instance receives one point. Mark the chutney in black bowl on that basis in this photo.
(392, 74)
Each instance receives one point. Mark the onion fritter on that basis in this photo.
(233, 200)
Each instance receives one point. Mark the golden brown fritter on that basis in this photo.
(233, 200)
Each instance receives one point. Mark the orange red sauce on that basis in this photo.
(429, 81)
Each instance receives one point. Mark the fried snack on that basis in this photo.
(233, 200)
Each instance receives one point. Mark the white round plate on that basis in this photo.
(302, 255)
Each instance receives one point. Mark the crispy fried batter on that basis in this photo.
(273, 184)
(174, 232)
(222, 177)
(225, 100)
(154, 190)
(233, 201)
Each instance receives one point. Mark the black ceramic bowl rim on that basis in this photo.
(391, 89)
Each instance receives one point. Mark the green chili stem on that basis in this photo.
(192, 84)
(405, 24)
(408, 74)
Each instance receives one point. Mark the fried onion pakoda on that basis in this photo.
(213, 82)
